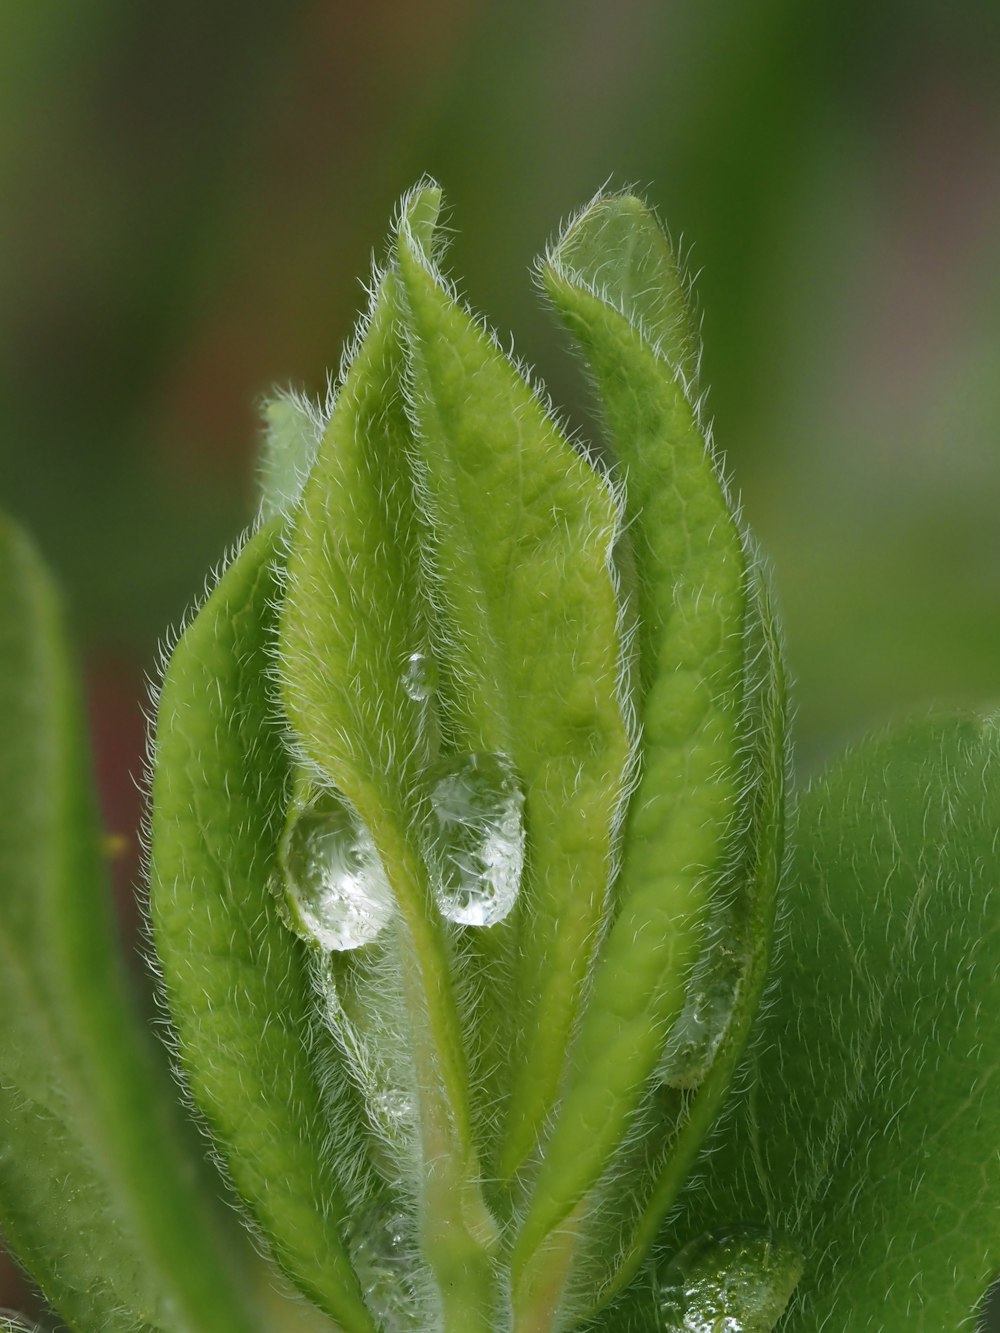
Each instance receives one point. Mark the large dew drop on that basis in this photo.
(419, 677)
(336, 889)
(475, 845)
(729, 1281)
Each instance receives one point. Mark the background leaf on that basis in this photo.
(97, 1191)
(870, 1129)
(237, 980)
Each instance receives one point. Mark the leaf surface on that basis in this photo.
(527, 630)
(728, 980)
(237, 980)
(691, 596)
(292, 432)
(352, 618)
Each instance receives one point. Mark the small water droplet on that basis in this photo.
(384, 1260)
(475, 845)
(696, 1035)
(394, 1110)
(379, 1068)
(736, 1280)
(336, 889)
(419, 677)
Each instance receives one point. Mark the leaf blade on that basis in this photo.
(691, 596)
(293, 428)
(237, 981)
(743, 924)
(529, 622)
(352, 616)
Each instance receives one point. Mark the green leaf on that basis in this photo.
(683, 830)
(293, 428)
(238, 982)
(870, 1131)
(726, 986)
(351, 614)
(351, 620)
(527, 633)
(97, 1194)
(617, 250)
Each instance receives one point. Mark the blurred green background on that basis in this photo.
(190, 192)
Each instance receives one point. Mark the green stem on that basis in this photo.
(458, 1232)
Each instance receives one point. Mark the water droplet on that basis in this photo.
(336, 889)
(384, 1258)
(475, 845)
(393, 1111)
(696, 1035)
(420, 677)
(379, 1065)
(737, 1280)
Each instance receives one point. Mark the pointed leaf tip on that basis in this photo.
(617, 249)
(420, 212)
